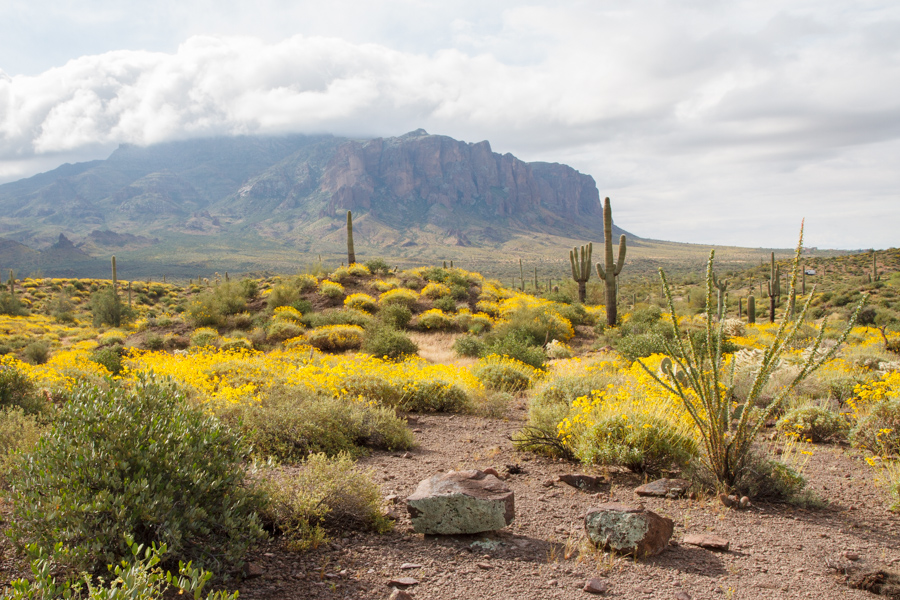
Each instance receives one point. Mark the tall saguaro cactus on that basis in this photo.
(611, 273)
(11, 283)
(114, 279)
(351, 255)
(751, 309)
(875, 275)
(721, 287)
(581, 268)
(774, 288)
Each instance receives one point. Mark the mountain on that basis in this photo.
(184, 202)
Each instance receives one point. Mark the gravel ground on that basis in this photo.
(776, 551)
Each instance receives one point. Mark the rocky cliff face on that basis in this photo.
(452, 181)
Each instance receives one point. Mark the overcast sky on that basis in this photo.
(705, 121)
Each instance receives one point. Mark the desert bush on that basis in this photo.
(378, 266)
(18, 391)
(335, 316)
(10, 305)
(19, 432)
(359, 270)
(110, 357)
(505, 374)
(556, 349)
(37, 353)
(282, 329)
(446, 304)
(249, 288)
(362, 302)
(335, 338)
(116, 462)
(61, 308)
(879, 430)
(154, 341)
(282, 294)
(469, 345)
(331, 290)
(387, 342)
(236, 343)
(107, 308)
(383, 286)
(435, 320)
(324, 491)
(536, 325)
(112, 337)
(287, 313)
(477, 323)
(814, 424)
(641, 345)
(733, 327)
(435, 291)
(397, 316)
(515, 345)
(401, 296)
(204, 336)
(641, 443)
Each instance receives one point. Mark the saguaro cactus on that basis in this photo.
(774, 288)
(114, 280)
(875, 275)
(751, 309)
(351, 255)
(610, 275)
(581, 268)
(721, 287)
(11, 282)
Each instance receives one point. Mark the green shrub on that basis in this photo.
(204, 336)
(536, 326)
(290, 424)
(389, 343)
(335, 316)
(280, 330)
(37, 352)
(395, 315)
(61, 308)
(110, 357)
(282, 295)
(107, 308)
(335, 338)
(469, 345)
(18, 391)
(515, 344)
(118, 462)
(640, 345)
(879, 431)
(324, 491)
(640, 443)
(505, 374)
(331, 289)
(435, 320)
(236, 344)
(403, 297)
(19, 432)
(10, 305)
(433, 395)
(154, 341)
(446, 304)
(377, 266)
(814, 424)
(249, 288)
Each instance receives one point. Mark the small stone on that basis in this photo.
(407, 566)
(596, 586)
(851, 556)
(710, 542)
(585, 483)
(407, 455)
(553, 583)
(391, 498)
(400, 595)
(664, 488)
(417, 430)
(548, 483)
(628, 529)
(682, 596)
(484, 566)
(641, 589)
(253, 570)
(403, 581)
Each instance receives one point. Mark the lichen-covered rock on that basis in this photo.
(664, 488)
(628, 529)
(460, 502)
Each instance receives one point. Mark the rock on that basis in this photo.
(400, 595)
(460, 502)
(493, 471)
(682, 596)
(253, 570)
(406, 455)
(628, 529)
(485, 566)
(403, 581)
(596, 586)
(745, 502)
(407, 566)
(664, 488)
(710, 542)
(851, 556)
(514, 469)
(548, 483)
(585, 483)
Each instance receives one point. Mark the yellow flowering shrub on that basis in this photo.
(331, 289)
(505, 374)
(362, 302)
(435, 319)
(400, 296)
(287, 313)
(435, 290)
(204, 336)
(336, 338)
(383, 286)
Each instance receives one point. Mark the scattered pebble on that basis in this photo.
(596, 586)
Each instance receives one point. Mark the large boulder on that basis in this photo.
(461, 502)
(628, 529)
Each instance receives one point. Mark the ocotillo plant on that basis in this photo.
(613, 269)
(774, 289)
(114, 279)
(721, 287)
(581, 268)
(751, 309)
(351, 255)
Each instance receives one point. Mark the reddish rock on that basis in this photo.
(596, 586)
(628, 529)
(682, 596)
(664, 488)
(403, 581)
(585, 483)
(710, 542)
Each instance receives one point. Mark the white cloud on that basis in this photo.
(710, 121)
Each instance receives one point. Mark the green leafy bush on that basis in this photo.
(335, 316)
(107, 308)
(118, 462)
(446, 304)
(505, 374)
(435, 320)
(280, 330)
(10, 305)
(282, 295)
(388, 342)
(397, 316)
(17, 390)
(879, 431)
(469, 345)
(61, 308)
(640, 443)
(814, 424)
(378, 266)
(640, 345)
(19, 432)
(335, 338)
(515, 344)
(324, 491)
(110, 357)
(37, 353)
(204, 336)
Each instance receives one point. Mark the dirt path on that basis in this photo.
(776, 551)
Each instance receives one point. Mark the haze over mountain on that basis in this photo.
(223, 195)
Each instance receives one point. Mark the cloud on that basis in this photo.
(705, 121)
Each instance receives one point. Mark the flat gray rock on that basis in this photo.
(664, 488)
(627, 529)
(461, 502)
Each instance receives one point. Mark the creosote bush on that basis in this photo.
(505, 374)
(387, 342)
(336, 338)
(117, 462)
(640, 443)
(814, 423)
